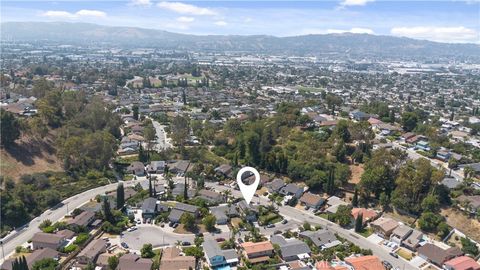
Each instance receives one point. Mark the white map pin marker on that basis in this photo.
(248, 190)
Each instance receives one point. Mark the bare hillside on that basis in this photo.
(29, 156)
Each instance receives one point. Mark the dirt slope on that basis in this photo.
(29, 156)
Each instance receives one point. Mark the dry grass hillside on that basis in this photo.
(29, 156)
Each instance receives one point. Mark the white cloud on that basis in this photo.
(221, 23)
(355, 30)
(91, 13)
(459, 34)
(59, 14)
(186, 8)
(184, 19)
(141, 3)
(345, 3)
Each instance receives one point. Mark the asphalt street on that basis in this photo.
(25, 234)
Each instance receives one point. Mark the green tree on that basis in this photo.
(359, 223)
(414, 182)
(355, 198)
(343, 215)
(429, 221)
(113, 262)
(431, 203)
(384, 200)
(120, 196)
(107, 212)
(209, 221)
(409, 121)
(469, 247)
(9, 127)
(147, 251)
(188, 221)
(135, 112)
(45, 264)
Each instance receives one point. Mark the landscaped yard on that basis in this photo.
(366, 232)
(270, 218)
(407, 255)
(235, 222)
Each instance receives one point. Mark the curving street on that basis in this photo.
(67, 205)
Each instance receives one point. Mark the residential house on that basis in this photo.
(275, 185)
(384, 226)
(450, 182)
(469, 203)
(400, 233)
(224, 170)
(47, 240)
(149, 208)
(333, 203)
(179, 190)
(68, 234)
(90, 253)
(173, 260)
(291, 249)
(413, 139)
(365, 263)
(179, 209)
(132, 261)
(257, 252)
(412, 242)
(367, 214)
(213, 254)
(461, 263)
(423, 145)
(84, 219)
(249, 212)
(359, 115)
(223, 212)
(322, 239)
(136, 168)
(406, 136)
(35, 256)
(437, 255)
(443, 155)
(211, 196)
(312, 200)
(292, 190)
(179, 167)
(156, 167)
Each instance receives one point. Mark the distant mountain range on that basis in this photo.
(349, 45)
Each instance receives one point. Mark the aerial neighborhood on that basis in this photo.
(126, 158)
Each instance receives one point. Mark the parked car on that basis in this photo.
(284, 221)
(220, 239)
(175, 225)
(393, 254)
(270, 225)
(124, 245)
(277, 232)
(186, 243)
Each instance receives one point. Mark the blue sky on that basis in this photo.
(445, 21)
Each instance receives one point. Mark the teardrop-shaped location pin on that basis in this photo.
(248, 190)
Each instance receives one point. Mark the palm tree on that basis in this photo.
(469, 173)
(178, 243)
(227, 193)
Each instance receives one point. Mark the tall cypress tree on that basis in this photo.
(359, 223)
(355, 198)
(150, 188)
(120, 196)
(107, 212)
(185, 192)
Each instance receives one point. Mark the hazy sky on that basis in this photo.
(446, 21)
